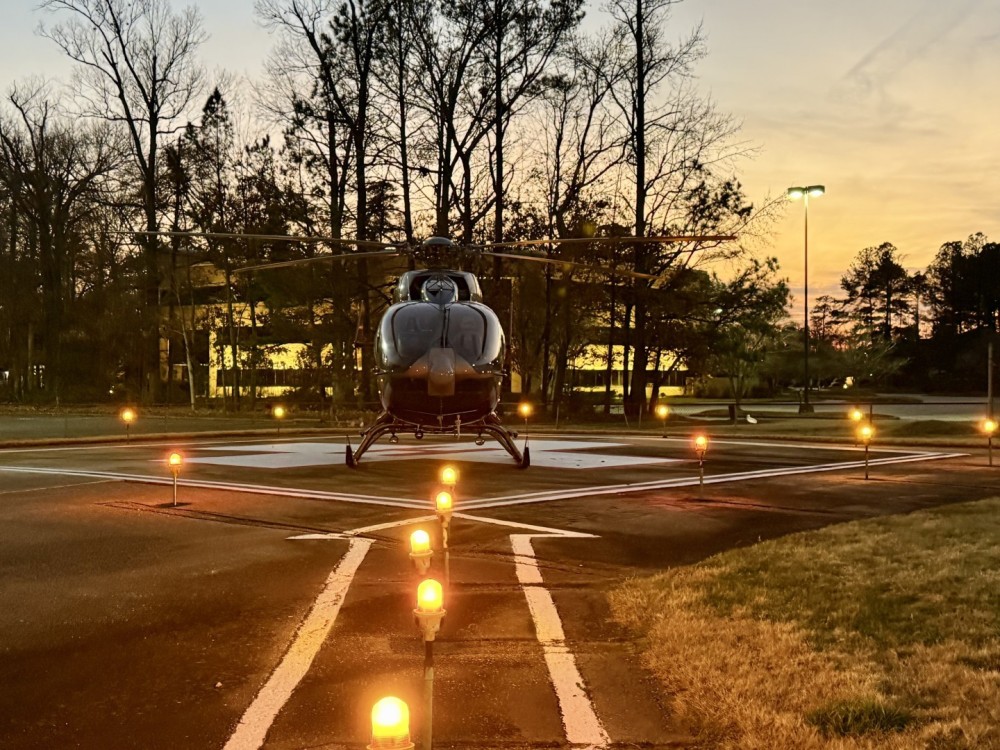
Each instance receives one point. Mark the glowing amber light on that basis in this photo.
(420, 542)
(128, 416)
(989, 426)
(390, 724)
(279, 412)
(443, 501)
(524, 410)
(867, 432)
(174, 460)
(430, 598)
(701, 443)
(449, 475)
(857, 415)
(662, 411)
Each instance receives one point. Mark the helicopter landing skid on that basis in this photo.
(388, 424)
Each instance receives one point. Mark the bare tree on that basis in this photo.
(53, 170)
(136, 67)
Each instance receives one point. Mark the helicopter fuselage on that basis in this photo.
(439, 352)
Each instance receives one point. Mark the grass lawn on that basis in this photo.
(882, 633)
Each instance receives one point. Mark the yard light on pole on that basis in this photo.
(127, 415)
(391, 725)
(278, 412)
(420, 551)
(663, 411)
(856, 414)
(805, 193)
(444, 503)
(701, 447)
(525, 409)
(429, 613)
(989, 426)
(174, 462)
(865, 434)
(449, 476)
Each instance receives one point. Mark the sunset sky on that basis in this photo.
(891, 104)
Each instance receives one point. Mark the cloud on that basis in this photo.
(867, 81)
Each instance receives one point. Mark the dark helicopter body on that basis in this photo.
(439, 352)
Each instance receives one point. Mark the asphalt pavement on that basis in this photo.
(273, 605)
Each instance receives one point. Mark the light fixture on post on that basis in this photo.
(701, 448)
(865, 434)
(127, 415)
(429, 614)
(444, 503)
(174, 462)
(805, 193)
(278, 412)
(420, 551)
(989, 427)
(449, 477)
(525, 409)
(391, 725)
(663, 411)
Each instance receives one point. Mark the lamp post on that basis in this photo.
(524, 409)
(989, 427)
(127, 415)
(444, 503)
(662, 411)
(420, 551)
(429, 613)
(174, 462)
(866, 433)
(278, 412)
(390, 725)
(810, 191)
(701, 447)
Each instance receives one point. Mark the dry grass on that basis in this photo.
(874, 634)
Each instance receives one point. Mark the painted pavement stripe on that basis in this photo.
(578, 716)
(253, 727)
(253, 489)
(545, 497)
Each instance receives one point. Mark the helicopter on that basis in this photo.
(439, 349)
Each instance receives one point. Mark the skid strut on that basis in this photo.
(386, 424)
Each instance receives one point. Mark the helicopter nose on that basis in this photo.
(441, 372)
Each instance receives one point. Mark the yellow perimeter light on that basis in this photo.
(127, 415)
(420, 542)
(449, 475)
(989, 426)
(856, 414)
(524, 409)
(444, 501)
(279, 412)
(390, 725)
(701, 443)
(867, 432)
(662, 411)
(430, 597)
(174, 460)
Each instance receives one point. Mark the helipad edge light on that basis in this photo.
(390, 725)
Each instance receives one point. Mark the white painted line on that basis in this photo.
(578, 716)
(390, 525)
(621, 489)
(251, 489)
(252, 729)
(528, 526)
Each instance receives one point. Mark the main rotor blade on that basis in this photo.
(268, 238)
(621, 240)
(316, 259)
(589, 267)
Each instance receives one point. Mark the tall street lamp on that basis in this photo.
(805, 193)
